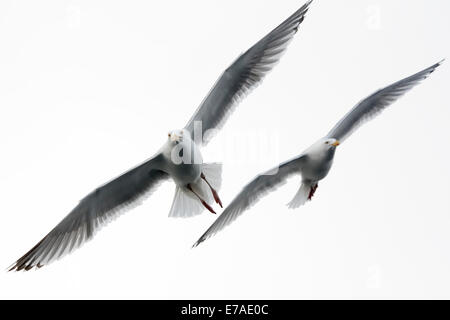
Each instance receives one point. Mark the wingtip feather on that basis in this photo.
(435, 66)
(198, 242)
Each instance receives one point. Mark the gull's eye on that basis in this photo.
(169, 134)
(327, 142)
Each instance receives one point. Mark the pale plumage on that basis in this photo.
(196, 182)
(314, 163)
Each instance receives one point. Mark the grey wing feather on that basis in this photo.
(376, 103)
(244, 75)
(252, 193)
(93, 212)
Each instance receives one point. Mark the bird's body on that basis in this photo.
(184, 174)
(315, 162)
(318, 161)
(183, 160)
(179, 158)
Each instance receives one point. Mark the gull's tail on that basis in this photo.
(303, 195)
(185, 203)
(213, 173)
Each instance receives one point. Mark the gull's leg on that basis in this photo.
(207, 206)
(214, 192)
(312, 191)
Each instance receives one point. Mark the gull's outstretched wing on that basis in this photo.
(252, 192)
(94, 211)
(376, 103)
(243, 75)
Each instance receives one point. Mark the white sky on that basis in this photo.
(88, 89)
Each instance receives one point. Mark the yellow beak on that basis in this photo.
(337, 143)
(173, 137)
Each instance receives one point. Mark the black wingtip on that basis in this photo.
(16, 267)
(436, 65)
(11, 268)
(425, 73)
(440, 63)
(428, 71)
(304, 9)
(300, 15)
(199, 241)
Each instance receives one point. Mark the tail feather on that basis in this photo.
(213, 173)
(303, 195)
(185, 204)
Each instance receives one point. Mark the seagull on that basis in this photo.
(179, 158)
(315, 162)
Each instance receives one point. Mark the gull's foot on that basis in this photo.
(207, 206)
(216, 197)
(214, 192)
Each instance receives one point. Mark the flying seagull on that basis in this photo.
(179, 158)
(315, 162)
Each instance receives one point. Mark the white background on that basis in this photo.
(88, 89)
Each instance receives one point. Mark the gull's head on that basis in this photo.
(177, 136)
(331, 143)
(325, 146)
